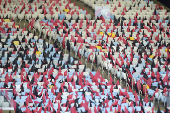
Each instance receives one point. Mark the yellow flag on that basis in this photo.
(98, 47)
(16, 43)
(127, 101)
(50, 86)
(147, 87)
(7, 20)
(66, 10)
(101, 33)
(38, 52)
(16, 26)
(104, 50)
(111, 34)
(151, 56)
(166, 50)
(131, 38)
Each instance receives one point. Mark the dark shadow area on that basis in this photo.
(165, 2)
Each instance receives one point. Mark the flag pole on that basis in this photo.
(108, 71)
(75, 54)
(86, 62)
(114, 79)
(44, 36)
(102, 70)
(39, 35)
(70, 48)
(108, 75)
(120, 77)
(91, 65)
(34, 30)
(20, 23)
(126, 79)
(127, 85)
(60, 43)
(102, 67)
(30, 28)
(25, 18)
(145, 89)
(158, 97)
(65, 46)
(49, 39)
(153, 100)
(164, 99)
(15, 20)
(81, 55)
(132, 83)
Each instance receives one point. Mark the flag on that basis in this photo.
(149, 82)
(40, 110)
(103, 58)
(166, 12)
(123, 13)
(165, 79)
(6, 78)
(129, 73)
(63, 42)
(80, 40)
(119, 5)
(153, 74)
(158, 76)
(146, 99)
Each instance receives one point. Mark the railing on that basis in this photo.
(168, 99)
(6, 101)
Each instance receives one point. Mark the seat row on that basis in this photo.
(43, 79)
(125, 55)
(110, 42)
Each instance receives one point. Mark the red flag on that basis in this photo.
(158, 76)
(152, 98)
(97, 75)
(115, 103)
(153, 74)
(6, 78)
(117, 62)
(107, 2)
(40, 110)
(126, 110)
(146, 99)
(63, 42)
(103, 58)
(123, 13)
(119, 5)
(133, 111)
(149, 82)
(129, 74)
(165, 79)
(80, 40)
(138, 85)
